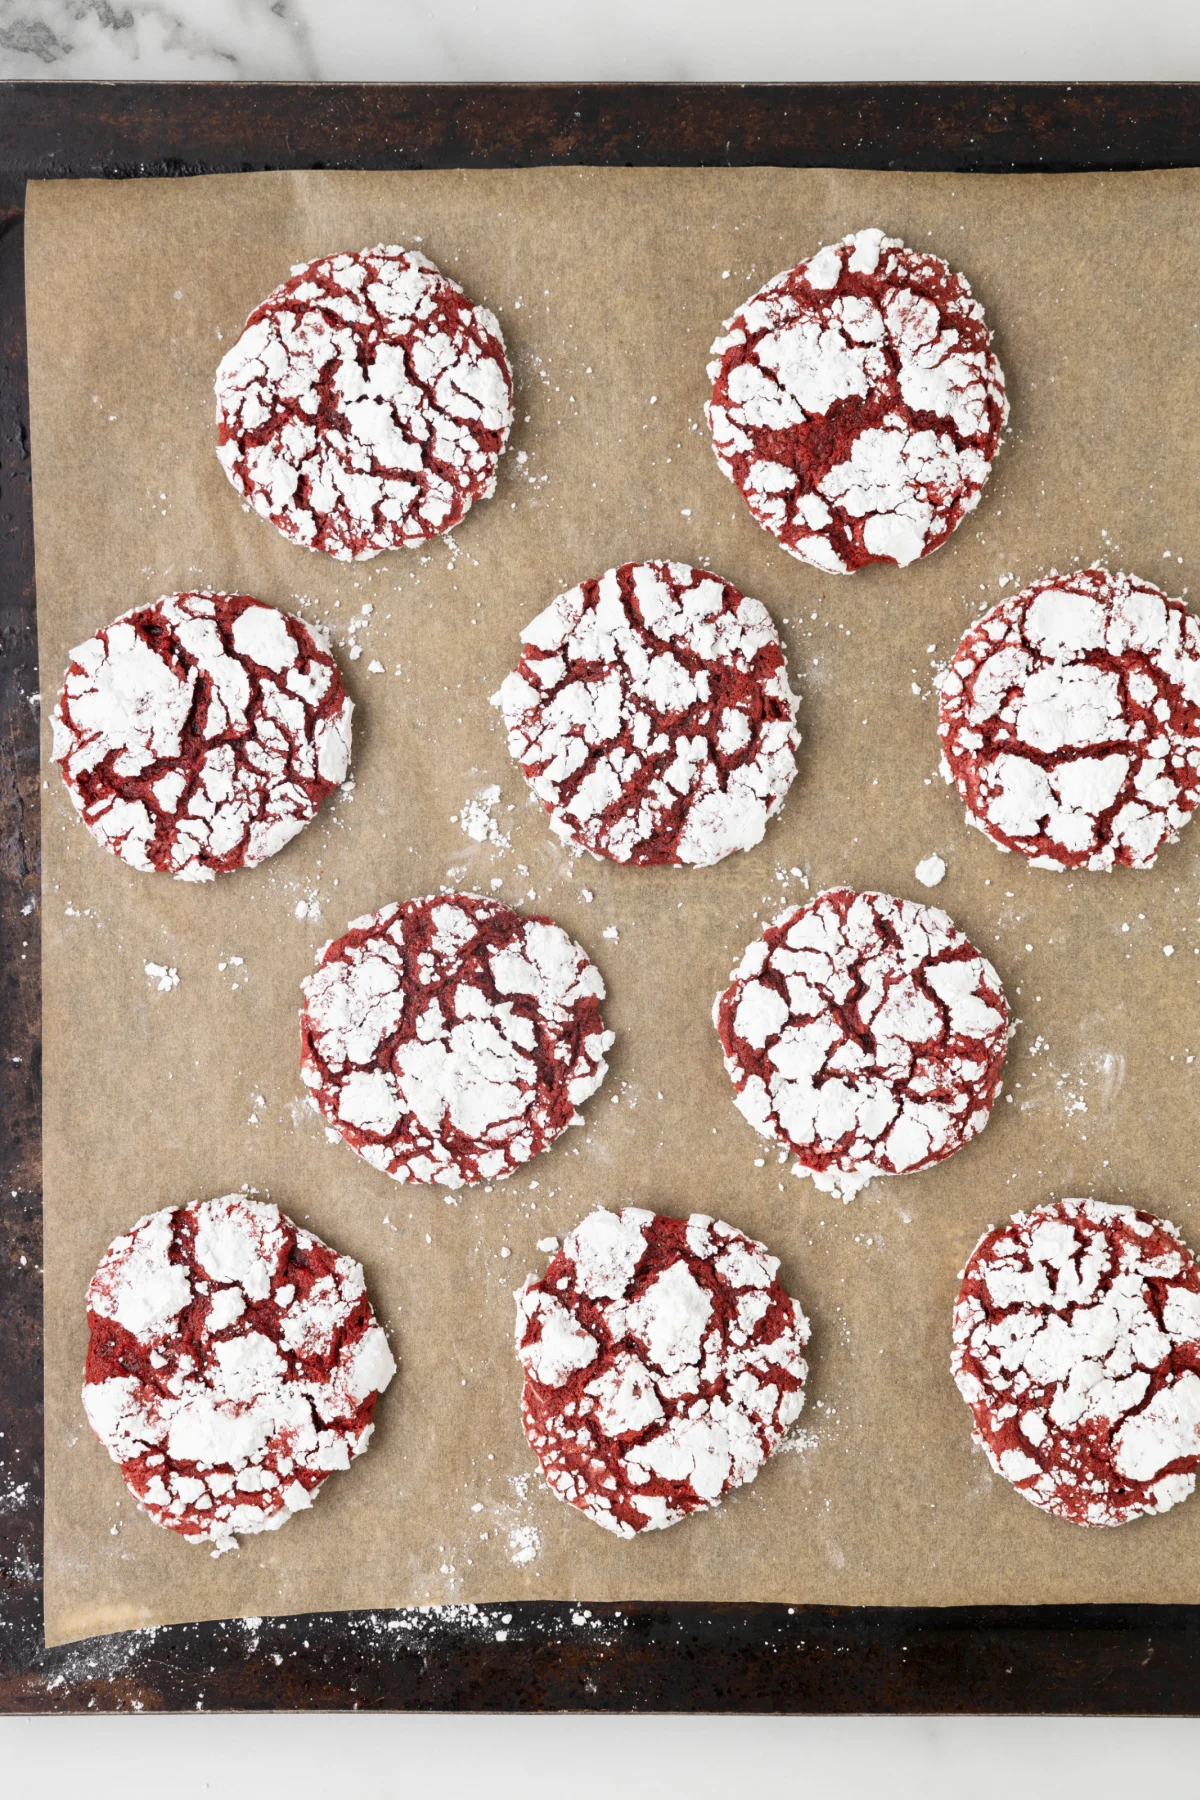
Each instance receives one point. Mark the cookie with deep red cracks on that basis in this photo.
(663, 1364)
(365, 405)
(200, 733)
(866, 1035)
(651, 715)
(234, 1363)
(1070, 721)
(857, 404)
(1077, 1349)
(449, 1039)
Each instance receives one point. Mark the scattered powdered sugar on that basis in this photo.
(353, 1647)
(1070, 721)
(524, 1542)
(234, 1363)
(478, 821)
(651, 715)
(930, 871)
(199, 734)
(365, 405)
(163, 978)
(1077, 1348)
(663, 1365)
(866, 1034)
(857, 403)
(450, 1039)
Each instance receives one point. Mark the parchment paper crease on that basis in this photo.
(610, 286)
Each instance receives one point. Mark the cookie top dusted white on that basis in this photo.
(365, 405)
(234, 1362)
(1077, 1348)
(200, 733)
(651, 715)
(663, 1364)
(449, 1039)
(857, 404)
(1070, 721)
(866, 1034)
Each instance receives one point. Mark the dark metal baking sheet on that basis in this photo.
(1123, 1659)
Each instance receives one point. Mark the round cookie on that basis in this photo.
(857, 404)
(663, 1364)
(200, 733)
(365, 405)
(866, 1035)
(234, 1362)
(651, 715)
(450, 1039)
(1077, 1349)
(1070, 721)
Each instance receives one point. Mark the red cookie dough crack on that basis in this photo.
(857, 404)
(663, 1365)
(865, 1034)
(449, 1039)
(1070, 721)
(1077, 1348)
(365, 405)
(651, 715)
(199, 734)
(234, 1363)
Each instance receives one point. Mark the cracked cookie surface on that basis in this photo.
(450, 1039)
(1077, 1349)
(663, 1364)
(199, 734)
(234, 1363)
(866, 1034)
(1070, 721)
(857, 404)
(651, 715)
(365, 405)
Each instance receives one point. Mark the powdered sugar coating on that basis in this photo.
(866, 1034)
(651, 715)
(450, 1039)
(1070, 721)
(663, 1364)
(234, 1363)
(199, 734)
(857, 403)
(365, 405)
(1077, 1348)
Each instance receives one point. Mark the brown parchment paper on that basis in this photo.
(610, 286)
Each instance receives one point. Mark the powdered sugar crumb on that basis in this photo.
(478, 821)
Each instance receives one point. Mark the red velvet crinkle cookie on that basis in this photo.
(450, 1039)
(365, 405)
(857, 404)
(663, 1364)
(651, 715)
(1077, 1349)
(200, 733)
(866, 1035)
(234, 1363)
(1070, 721)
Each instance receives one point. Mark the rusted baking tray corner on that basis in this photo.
(1113, 1659)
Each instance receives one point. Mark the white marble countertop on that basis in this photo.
(556, 1757)
(599, 40)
